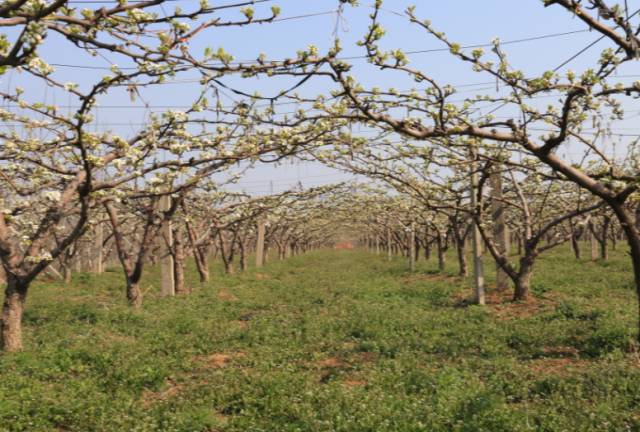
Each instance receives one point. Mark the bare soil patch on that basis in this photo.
(172, 389)
(344, 246)
(509, 310)
(225, 295)
(331, 362)
(354, 383)
(557, 366)
(220, 360)
(502, 305)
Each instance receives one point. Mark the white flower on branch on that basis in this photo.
(51, 195)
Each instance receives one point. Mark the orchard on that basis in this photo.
(250, 216)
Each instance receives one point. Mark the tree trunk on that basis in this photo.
(226, 252)
(575, 244)
(15, 295)
(523, 280)
(200, 254)
(633, 239)
(228, 267)
(462, 259)
(604, 241)
(201, 265)
(244, 257)
(441, 251)
(427, 249)
(134, 295)
(594, 246)
(204, 273)
(66, 273)
(179, 262)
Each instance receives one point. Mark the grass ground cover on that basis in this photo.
(330, 341)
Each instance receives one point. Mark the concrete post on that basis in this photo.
(260, 244)
(167, 278)
(98, 259)
(478, 269)
(412, 247)
(500, 230)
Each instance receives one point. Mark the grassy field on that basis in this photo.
(331, 341)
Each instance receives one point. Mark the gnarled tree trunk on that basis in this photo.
(134, 294)
(462, 259)
(575, 244)
(15, 295)
(201, 266)
(199, 254)
(523, 279)
(633, 239)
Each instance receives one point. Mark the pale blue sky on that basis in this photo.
(465, 21)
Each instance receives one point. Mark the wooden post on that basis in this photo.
(260, 243)
(167, 278)
(478, 269)
(500, 230)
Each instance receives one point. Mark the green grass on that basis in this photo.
(331, 341)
